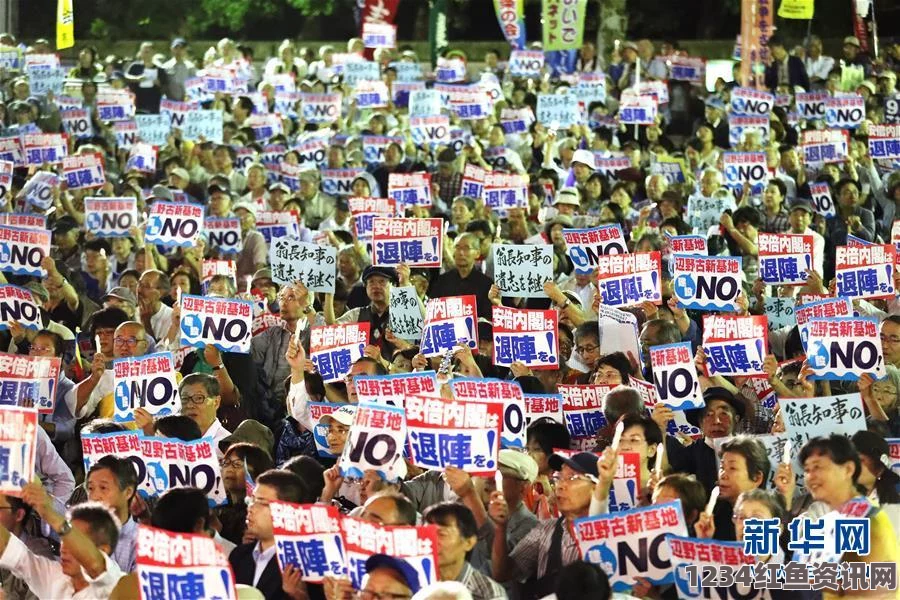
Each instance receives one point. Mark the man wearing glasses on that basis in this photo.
(890, 340)
(200, 400)
(388, 578)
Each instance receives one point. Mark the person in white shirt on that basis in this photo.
(155, 316)
(287, 63)
(200, 400)
(89, 535)
(818, 66)
(800, 216)
(129, 340)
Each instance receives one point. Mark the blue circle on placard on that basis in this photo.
(191, 326)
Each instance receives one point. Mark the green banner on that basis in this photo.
(562, 22)
(437, 29)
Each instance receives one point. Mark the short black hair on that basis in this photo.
(256, 459)
(652, 433)
(55, 338)
(619, 362)
(179, 509)
(122, 468)
(288, 486)
(588, 329)
(406, 512)
(209, 383)
(178, 427)
(103, 527)
(310, 471)
(747, 214)
(442, 512)
(107, 318)
(689, 490)
(379, 368)
(548, 434)
(837, 447)
(754, 453)
(780, 185)
(576, 578)
(480, 226)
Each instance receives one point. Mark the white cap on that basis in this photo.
(344, 415)
(585, 157)
(568, 195)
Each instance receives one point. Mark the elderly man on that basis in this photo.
(254, 254)
(129, 340)
(156, 317)
(317, 206)
(200, 400)
(465, 279)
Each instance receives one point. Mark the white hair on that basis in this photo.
(444, 590)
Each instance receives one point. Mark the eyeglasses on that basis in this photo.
(370, 595)
(234, 464)
(559, 479)
(126, 341)
(195, 400)
(585, 349)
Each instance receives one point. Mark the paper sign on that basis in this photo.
(583, 413)
(708, 555)
(521, 270)
(637, 110)
(824, 146)
(738, 126)
(321, 108)
(17, 448)
(745, 167)
(23, 250)
(444, 432)
(415, 242)
(203, 125)
(424, 103)
(618, 331)
(734, 345)
(110, 217)
(410, 189)
(527, 336)
(17, 306)
(472, 181)
(334, 348)
(845, 112)
(222, 322)
(142, 157)
(821, 197)
(558, 108)
(77, 122)
(415, 545)
(587, 245)
(29, 381)
(590, 87)
(173, 224)
(471, 389)
(526, 63)
(393, 389)
(784, 258)
(364, 211)
(224, 234)
(806, 418)
(503, 191)
(675, 376)
(751, 102)
(39, 149)
(543, 406)
(338, 182)
(707, 283)
(704, 213)
(820, 309)
(406, 319)
(865, 272)
(779, 312)
(431, 130)
(625, 279)
(687, 68)
(146, 382)
(843, 348)
(625, 491)
(362, 70)
(153, 129)
(375, 443)
(309, 537)
(449, 321)
(313, 264)
(515, 120)
(24, 220)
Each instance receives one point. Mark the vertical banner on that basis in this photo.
(563, 24)
(437, 29)
(511, 17)
(65, 24)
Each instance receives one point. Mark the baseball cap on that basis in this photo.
(583, 462)
(251, 432)
(308, 174)
(630, 46)
(65, 225)
(447, 155)
(869, 86)
(802, 204)
(181, 173)
(218, 185)
(161, 192)
(567, 195)
(887, 74)
(122, 293)
(715, 102)
(279, 185)
(344, 415)
(261, 274)
(178, 43)
(519, 464)
(405, 570)
(389, 273)
(851, 40)
(250, 207)
(715, 393)
(585, 157)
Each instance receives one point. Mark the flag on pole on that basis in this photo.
(511, 16)
(65, 24)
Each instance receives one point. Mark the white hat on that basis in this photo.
(519, 464)
(344, 415)
(567, 195)
(250, 207)
(585, 157)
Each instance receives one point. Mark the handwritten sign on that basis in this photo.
(203, 125)
(779, 312)
(146, 382)
(561, 109)
(806, 418)
(415, 242)
(527, 336)
(625, 279)
(406, 319)
(334, 348)
(221, 322)
(449, 321)
(313, 264)
(843, 348)
(522, 270)
(675, 376)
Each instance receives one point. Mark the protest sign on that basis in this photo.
(471, 104)
(845, 112)
(309, 537)
(503, 191)
(183, 565)
(39, 191)
(618, 331)
(364, 211)
(843, 348)
(110, 217)
(173, 224)
(784, 258)
(590, 87)
(543, 406)
(745, 167)
(779, 312)
(820, 309)
(6, 174)
(24, 220)
(704, 556)
(146, 382)
(527, 336)
(415, 242)
(611, 165)
(17, 305)
(203, 125)
(410, 189)
(558, 110)
(821, 197)
(684, 244)
(371, 94)
(637, 110)
(526, 63)
(470, 389)
(224, 234)
(521, 270)
(334, 348)
(273, 225)
(317, 410)
(361, 70)
(687, 68)
(625, 491)
(424, 103)
(11, 151)
(583, 413)
(312, 264)
(115, 105)
(23, 250)
(751, 102)
(18, 426)
(675, 376)
(449, 321)
(444, 432)
(516, 120)
(407, 71)
(865, 272)
(631, 543)
(884, 142)
(221, 322)
(375, 442)
(320, 108)
(405, 309)
(39, 149)
(153, 129)
(734, 345)
(821, 146)
(433, 130)
(625, 279)
(393, 389)
(126, 133)
(142, 157)
(472, 181)
(811, 105)
(29, 381)
(450, 70)
(806, 418)
(585, 246)
(338, 182)
(210, 268)
(739, 126)
(704, 213)
(417, 546)
(672, 168)
(77, 122)
(374, 147)
(707, 283)
(174, 113)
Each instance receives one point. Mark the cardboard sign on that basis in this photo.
(29, 381)
(174, 225)
(313, 264)
(843, 348)
(375, 443)
(169, 561)
(405, 310)
(309, 537)
(224, 234)
(734, 345)
(865, 272)
(745, 167)
(23, 250)
(222, 322)
(625, 279)
(334, 348)
(522, 270)
(583, 413)
(415, 545)
(845, 112)
(675, 376)
(527, 336)
(806, 418)
(39, 149)
(415, 242)
(17, 306)
(585, 246)
(559, 109)
(821, 197)
(784, 258)
(709, 556)
(392, 390)
(751, 102)
(410, 189)
(625, 491)
(821, 146)
(631, 543)
(449, 321)
(146, 382)
(444, 432)
(543, 406)
(110, 217)
(707, 283)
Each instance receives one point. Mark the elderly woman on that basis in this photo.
(882, 400)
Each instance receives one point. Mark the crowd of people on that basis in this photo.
(72, 533)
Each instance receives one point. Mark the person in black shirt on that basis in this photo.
(465, 279)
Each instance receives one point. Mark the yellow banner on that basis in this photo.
(796, 9)
(65, 24)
